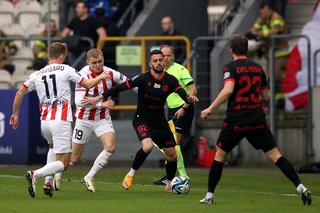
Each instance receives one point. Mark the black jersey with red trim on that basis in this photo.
(245, 103)
(152, 93)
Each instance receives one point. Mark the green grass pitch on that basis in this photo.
(240, 190)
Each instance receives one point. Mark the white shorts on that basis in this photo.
(58, 133)
(83, 129)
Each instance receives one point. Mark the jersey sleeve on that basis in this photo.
(134, 82)
(174, 84)
(30, 83)
(118, 78)
(74, 76)
(185, 76)
(229, 74)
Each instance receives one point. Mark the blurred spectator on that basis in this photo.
(39, 46)
(267, 24)
(7, 50)
(295, 83)
(82, 25)
(169, 29)
(279, 6)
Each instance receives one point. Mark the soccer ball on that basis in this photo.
(180, 185)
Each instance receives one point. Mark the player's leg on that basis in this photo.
(215, 174)
(288, 170)
(108, 140)
(183, 127)
(80, 136)
(48, 183)
(171, 166)
(263, 139)
(141, 156)
(60, 132)
(227, 140)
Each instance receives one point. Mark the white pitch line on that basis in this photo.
(149, 185)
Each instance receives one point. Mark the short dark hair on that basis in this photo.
(85, 3)
(239, 44)
(57, 49)
(155, 52)
(265, 4)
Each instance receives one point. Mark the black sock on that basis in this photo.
(288, 170)
(171, 168)
(139, 159)
(214, 175)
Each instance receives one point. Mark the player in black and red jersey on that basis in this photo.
(245, 86)
(149, 121)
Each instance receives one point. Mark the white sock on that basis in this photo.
(132, 172)
(301, 188)
(99, 163)
(209, 195)
(49, 169)
(51, 157)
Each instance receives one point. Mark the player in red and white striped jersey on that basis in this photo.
(94, 118)
(52, 84)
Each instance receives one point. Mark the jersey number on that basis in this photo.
(78, 134)
(53, 78)
(249, 83)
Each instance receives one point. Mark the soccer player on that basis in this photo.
(149, 121)
(177, 108)
(95, 118)
(52, 84)
(245, 86)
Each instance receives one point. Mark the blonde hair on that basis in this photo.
(94, 53)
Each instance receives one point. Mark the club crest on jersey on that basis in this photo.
(157, 86)
(226, 75)
(165, 88)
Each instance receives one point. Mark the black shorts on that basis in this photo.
(158, 130)
(260, 137)
(183, 124)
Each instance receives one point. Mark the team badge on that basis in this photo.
(165, 88)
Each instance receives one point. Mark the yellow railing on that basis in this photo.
(143, 40)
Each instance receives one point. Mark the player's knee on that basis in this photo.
(147, 148)
(220, 155)
(110, 149)
(75, 159)
(172, 157)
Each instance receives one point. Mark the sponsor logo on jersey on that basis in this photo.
(157, 86)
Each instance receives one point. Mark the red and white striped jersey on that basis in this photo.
(52, 84)
(95, 112)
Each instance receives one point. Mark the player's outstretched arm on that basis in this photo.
(14, 119)
(89, 83)
(114, 90)
(222, 97)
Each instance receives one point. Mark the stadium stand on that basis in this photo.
(28, 12)
(7, 13)
(5, 79)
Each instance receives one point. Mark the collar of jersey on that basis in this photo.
(157, 79)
